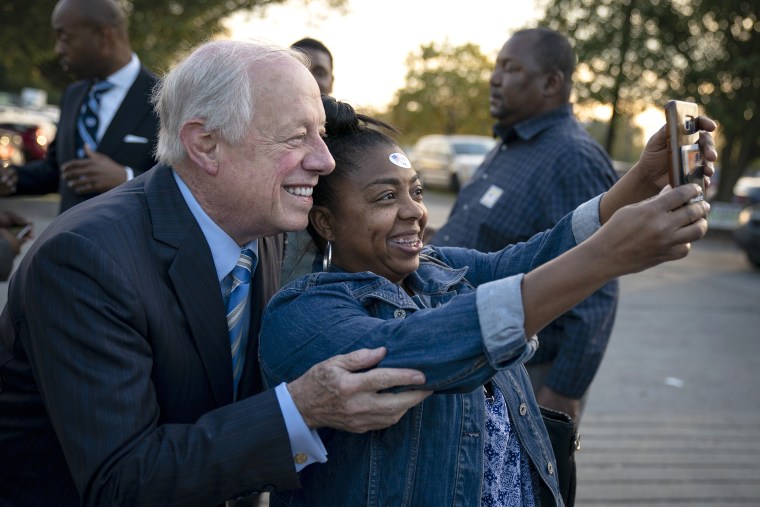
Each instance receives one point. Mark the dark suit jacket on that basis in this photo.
(116, 366)
(6, 259)
(134, 117)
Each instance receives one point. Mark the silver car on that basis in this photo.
(449, 161)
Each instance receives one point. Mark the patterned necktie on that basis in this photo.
(89, 119)
(236, 305)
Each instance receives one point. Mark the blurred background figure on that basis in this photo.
(544, 167)
(321, 66)
(299, 247)
(107, 130)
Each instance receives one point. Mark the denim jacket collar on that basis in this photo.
(431, 278)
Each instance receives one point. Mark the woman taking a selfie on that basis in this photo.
(464, 318)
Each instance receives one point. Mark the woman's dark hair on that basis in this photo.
(350, 136)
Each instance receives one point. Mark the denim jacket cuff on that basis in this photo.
(502, 322)
(586, 219)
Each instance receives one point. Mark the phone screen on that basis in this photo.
(684, 157)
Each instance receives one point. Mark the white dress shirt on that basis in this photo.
(110, 101)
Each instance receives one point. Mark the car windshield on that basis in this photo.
(471, 148)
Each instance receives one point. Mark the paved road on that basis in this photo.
(673, 416)
(674, 413)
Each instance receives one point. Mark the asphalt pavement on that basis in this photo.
(673, 416)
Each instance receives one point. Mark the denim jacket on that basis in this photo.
(472, 332)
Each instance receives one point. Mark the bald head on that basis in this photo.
(91, 37)
(95, 13)
(552, 52)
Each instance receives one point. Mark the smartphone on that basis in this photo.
(21, 232)
(684, 158)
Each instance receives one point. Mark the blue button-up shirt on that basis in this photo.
(542, 169)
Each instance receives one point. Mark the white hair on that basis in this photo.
(214, 83)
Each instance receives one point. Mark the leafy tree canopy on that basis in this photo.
(159, 30)
(634, 53)
(446, 92)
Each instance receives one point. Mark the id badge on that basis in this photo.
(491, 196)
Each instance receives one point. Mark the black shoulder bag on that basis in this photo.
(565, 441)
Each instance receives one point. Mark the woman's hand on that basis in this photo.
(653, 163)
(650, 174)
(648, 233)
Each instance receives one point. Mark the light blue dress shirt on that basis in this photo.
(225, 252)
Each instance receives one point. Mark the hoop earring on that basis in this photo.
(327, 257)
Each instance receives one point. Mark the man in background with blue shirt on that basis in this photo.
(544, 167)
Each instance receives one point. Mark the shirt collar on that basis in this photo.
(126, 76)
(527, 129)
(224, 249)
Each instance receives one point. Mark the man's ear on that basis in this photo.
(321, 218)
(554, 83)
(201, 145)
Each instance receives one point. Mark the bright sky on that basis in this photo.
(371, 41)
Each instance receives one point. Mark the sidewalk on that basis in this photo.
(643, 459)
(674, 413)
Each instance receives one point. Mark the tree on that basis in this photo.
(723, 72)
(634, 52)
(159, 30)
(446, 91)
(619, 52)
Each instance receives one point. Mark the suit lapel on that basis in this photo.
(134, 107)
(194, 277)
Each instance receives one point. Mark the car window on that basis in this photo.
(471, 148)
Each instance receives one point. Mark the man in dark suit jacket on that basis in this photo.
(93, 44)
(115, 356)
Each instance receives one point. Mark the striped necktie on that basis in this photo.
(236, 306)
(89, 119)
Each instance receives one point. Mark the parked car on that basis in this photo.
(747, 233)
(747, 189)
(11, 148)
(35, 137)
(449, 161)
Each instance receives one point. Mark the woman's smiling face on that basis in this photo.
(378, 218)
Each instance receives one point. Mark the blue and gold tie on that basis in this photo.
(89, 119)
(236, 306)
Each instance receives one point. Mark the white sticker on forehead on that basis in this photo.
(400, 160)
